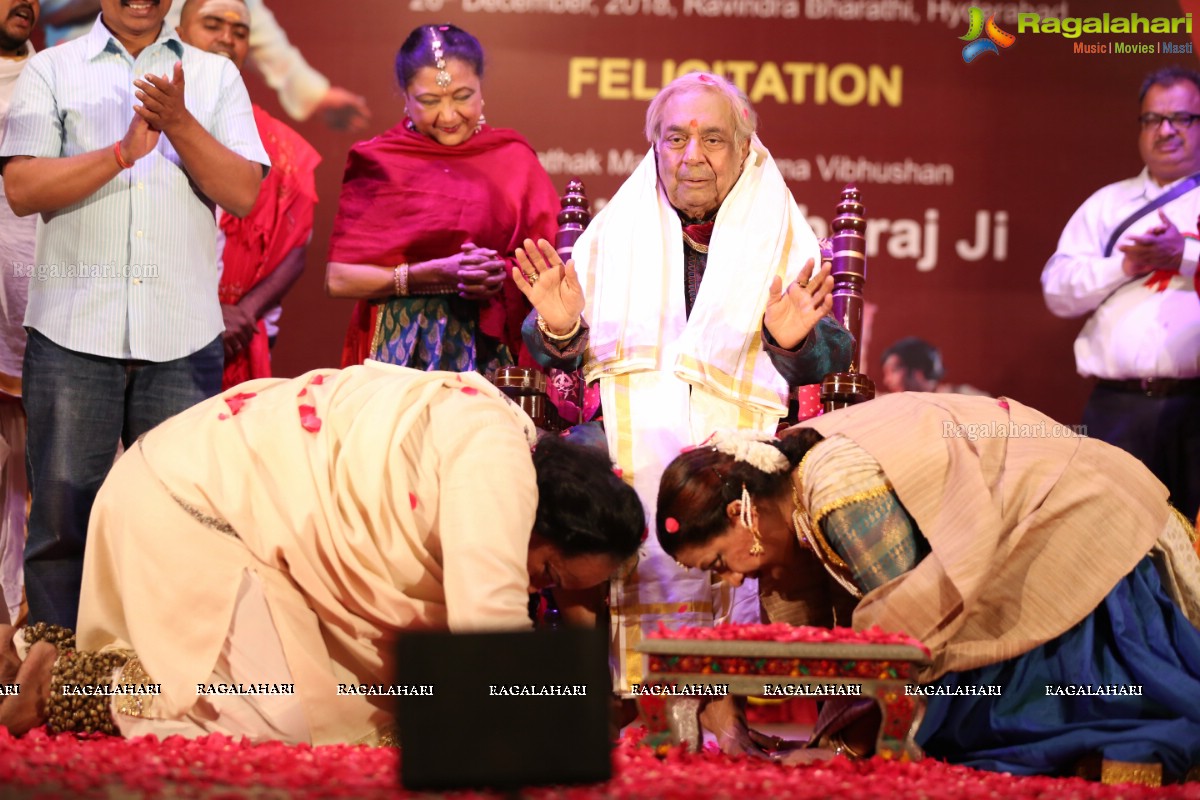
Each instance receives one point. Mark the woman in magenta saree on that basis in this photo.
(429, 217)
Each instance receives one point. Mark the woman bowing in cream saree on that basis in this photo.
(283, 533)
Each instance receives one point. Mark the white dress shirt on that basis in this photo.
(1136, 330)
(129, 272)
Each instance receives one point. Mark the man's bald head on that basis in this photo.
(218, 26)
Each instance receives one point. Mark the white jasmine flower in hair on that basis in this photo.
(751, 447)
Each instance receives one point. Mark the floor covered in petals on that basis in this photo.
(42, 766)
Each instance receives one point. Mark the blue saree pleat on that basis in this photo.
(1137, 637)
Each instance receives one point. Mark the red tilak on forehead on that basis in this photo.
(695, 124)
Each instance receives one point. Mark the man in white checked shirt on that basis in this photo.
(122, 141)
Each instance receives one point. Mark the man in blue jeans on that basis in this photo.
(123, 140)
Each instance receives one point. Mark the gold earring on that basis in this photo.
(747, 520)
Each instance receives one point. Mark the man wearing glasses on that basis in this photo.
(1128, 258)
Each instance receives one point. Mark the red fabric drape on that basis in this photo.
(281, 220)
(406, 198)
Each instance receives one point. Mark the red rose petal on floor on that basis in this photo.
(317, 380)
(217, 768)
(1003, 403)
(222, 416)
(303, 392)
(412, 501)
(470, 390)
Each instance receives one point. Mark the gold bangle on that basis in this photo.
(400, 279)
(566, 337)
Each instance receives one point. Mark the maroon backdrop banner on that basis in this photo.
(968, 170)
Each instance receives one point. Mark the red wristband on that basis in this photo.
(121, 162)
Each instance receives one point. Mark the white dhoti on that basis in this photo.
(669, 379)
(660, 591)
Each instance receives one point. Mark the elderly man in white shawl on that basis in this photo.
(675, 302)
